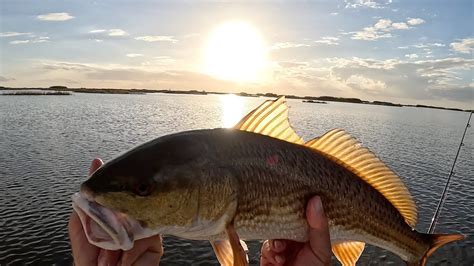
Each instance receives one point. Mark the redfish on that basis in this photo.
(253, 182)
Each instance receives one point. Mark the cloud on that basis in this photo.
(465, 46)
(117, 32)
(134, 55)
(380, 30)
(328, 40)
(5, 79)
(409, 80)
(121, 76)
(55, 17)
(291, 64)
(415, 21)
(40, 39)
(106, 33)
(376, 4)
(19, 41)
(400, 26)
(157, 38)
(411, 56)
(285, 45)
(14, 34)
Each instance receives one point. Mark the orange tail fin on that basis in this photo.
(437, 241)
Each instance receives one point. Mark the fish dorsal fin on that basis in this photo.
(349, 152)
(271, 119)
(348, 252)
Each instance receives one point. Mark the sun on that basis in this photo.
(235, 51)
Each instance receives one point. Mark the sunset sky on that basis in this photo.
(398, 51)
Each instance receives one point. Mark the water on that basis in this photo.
(48, 142)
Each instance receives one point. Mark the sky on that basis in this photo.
(399, 51)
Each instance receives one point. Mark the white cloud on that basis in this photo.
(411, 56)
(415, 21)
(104, 33)
(376, 4)
(156, 38)
(328, 40)
(465, 46)
(400, 26)
(19, 41)
(63, 16)
(284, 45)
(97, 31)
(381, 29)
(383, 24)
(14, 34)
(134, 55)
(334, 14)
(39, 39)
(366, 84)
(117, 32)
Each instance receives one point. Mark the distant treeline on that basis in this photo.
(323, 99)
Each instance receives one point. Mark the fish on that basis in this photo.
(252, 182)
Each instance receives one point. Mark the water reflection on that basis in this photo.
(232, 107)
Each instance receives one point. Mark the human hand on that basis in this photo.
(317, 251)
(146, 251)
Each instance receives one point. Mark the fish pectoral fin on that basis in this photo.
(348, 252)
(232, 251)
(270, 119)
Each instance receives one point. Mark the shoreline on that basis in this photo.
(62, 90)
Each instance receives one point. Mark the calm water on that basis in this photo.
(47, 143)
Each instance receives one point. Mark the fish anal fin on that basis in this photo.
(271, 119)
(344, 149)
(348, 252)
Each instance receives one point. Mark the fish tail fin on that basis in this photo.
(436, 241)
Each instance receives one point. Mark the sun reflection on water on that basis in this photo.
(232, 107)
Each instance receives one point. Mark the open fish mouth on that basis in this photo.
(106, 228)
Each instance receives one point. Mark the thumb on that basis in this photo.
(319, 238)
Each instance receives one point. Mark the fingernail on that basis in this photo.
(279, 259)
(318, 205)
(102, 260)
(278, 244)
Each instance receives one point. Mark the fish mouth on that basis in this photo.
(106, 228)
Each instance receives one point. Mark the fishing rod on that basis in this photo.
(435, 218)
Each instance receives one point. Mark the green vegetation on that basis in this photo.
(63, 90)
(36, 93)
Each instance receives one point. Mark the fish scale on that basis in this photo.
(254, 182)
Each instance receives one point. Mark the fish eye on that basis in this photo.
(143, 189)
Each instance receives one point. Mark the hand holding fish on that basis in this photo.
(146, 251)
(317, 251)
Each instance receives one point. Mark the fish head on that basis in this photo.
(147, 191)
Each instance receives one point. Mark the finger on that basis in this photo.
(319, 239)
(270, 257)
(82, 251)
(277, 245)
(140, 247)
(96, 163)
(148, 258)
(108, 257)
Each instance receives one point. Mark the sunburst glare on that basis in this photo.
(232, 108)
(235, 51)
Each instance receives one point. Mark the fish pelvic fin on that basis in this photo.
(231, 251)
(347, 253)
(344, 149)
(271, 119)
(224, 253)
(436, 241)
